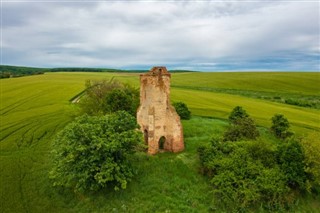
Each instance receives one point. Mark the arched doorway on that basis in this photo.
(162, 140)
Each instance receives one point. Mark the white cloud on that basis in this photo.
(199, 34)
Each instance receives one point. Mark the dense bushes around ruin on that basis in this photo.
(92, 152)
(246, 170)
(249, 172)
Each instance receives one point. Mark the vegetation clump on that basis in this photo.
(247, 174)
(243, 174)
(126, 98)
(250, 173)
(290, 158)
(311, 149)
(237, 113)
(92, 152)
(242, 126)
(103, 97)
(280, 126)
(182, 110)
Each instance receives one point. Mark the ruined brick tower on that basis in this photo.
(157, 118)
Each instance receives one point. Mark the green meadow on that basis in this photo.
(34, 108)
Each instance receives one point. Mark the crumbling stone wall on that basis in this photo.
(157, 118)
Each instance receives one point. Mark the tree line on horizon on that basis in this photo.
(8, 71)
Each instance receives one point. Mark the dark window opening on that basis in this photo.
(162, 140)
(146, 137)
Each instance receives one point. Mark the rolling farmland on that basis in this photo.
(34, 108)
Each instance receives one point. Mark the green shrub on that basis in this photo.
(290, 158)
(208, 154)
(241, 177)
(91, 153)
(263, 151)
(182, 110)
(311, 148)
(121, 100)
(280, 126)
(237, 113)
(103, 97)
(241, 126)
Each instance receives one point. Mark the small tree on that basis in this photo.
(241, 126)
(280, 126)
(182, 110)
(92, 152)
(237, 113)
(103, 97)
(290, 157)
(93, 101)
(118, 100)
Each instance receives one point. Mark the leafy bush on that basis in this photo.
(182, 110)
(311, 148)
(250, 173)
(290, 158)
(237, 113)
(280, 126)
(208, 155)
(103, 97)
(241, 176)
(241, 126)
(244, 128)
(91, 153)
(122, 99)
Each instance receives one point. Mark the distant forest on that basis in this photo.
(7, 71)
(14, 71)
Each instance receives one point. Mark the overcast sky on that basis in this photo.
(197, 35)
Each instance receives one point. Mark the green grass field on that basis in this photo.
(34, 108)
